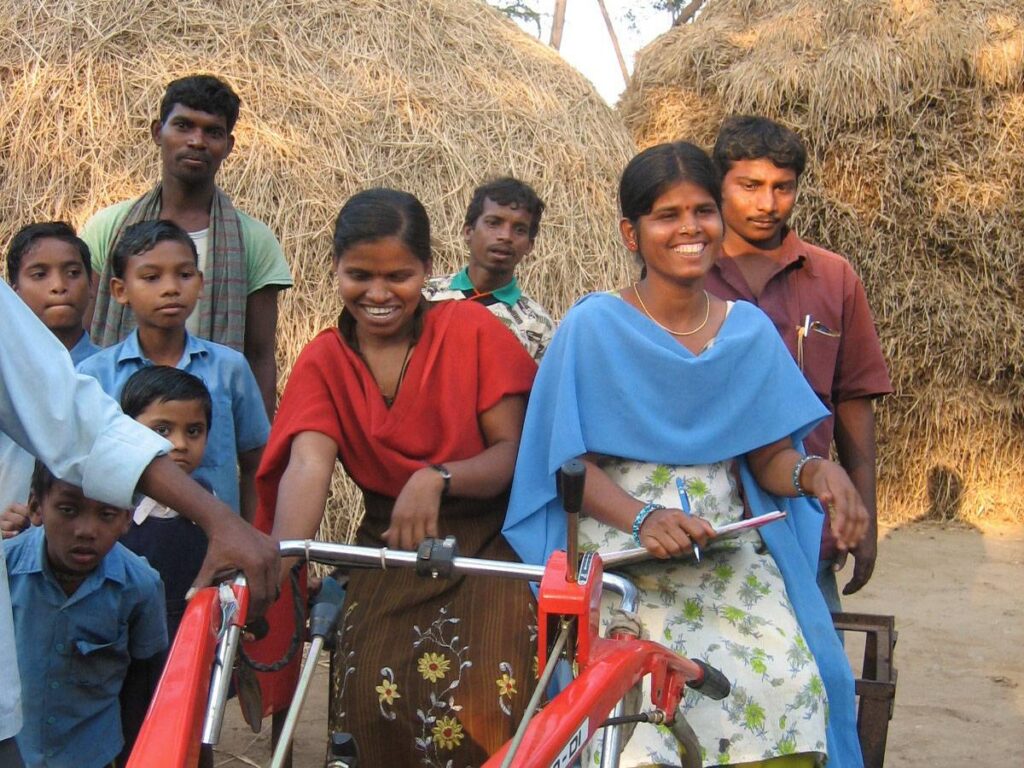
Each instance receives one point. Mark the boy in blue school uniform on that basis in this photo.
(84, 607)
(155, 268)
(50, 269)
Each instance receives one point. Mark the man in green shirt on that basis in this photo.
(501, 225)
(241, 259)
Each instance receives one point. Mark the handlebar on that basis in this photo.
(436, 561)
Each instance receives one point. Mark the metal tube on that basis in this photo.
(538, 692)
(284, 740)
(219, 684)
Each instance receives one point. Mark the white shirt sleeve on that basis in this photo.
(63, 418)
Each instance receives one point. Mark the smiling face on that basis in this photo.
(183, 423)
(53, 282)
(380, 282)
(192, 144)
(681, 237)
(757, 200)
(498, 240)
(79, 531)
(161, 285)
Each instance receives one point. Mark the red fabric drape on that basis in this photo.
(464, 363)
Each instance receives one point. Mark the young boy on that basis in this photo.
(84, 606)
(177, 406)
(49, 267)
(156, 275)
(817, 303)
(502, 222)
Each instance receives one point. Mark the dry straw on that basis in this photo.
(431, 96)
(913, 112)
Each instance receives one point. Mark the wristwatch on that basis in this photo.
(442, 470)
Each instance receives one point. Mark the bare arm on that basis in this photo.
(773, 466)
(261, 342)
(248, 463)
(487, 474)
(233, 543)
(665, 532)
(302, 492)
(855, 444)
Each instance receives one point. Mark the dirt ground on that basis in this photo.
(956, 593)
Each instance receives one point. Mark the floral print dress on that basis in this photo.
(731, 610)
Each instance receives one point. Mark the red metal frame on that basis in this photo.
(171, 734)
(608, 669)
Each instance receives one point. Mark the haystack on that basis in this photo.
(431, 96)
(913, 112)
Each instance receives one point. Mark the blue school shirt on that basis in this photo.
(239, 417)
(74, 651)
(77, 431)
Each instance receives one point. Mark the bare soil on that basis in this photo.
(957, 593)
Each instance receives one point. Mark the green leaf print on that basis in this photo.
(798, 654)
(693, 612)
(752, 590)
(753, 717)
(810, 696)
(785, 746)
(661, 476)
(697, 488)
(759, 663)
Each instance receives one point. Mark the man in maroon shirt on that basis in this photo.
(817, 303)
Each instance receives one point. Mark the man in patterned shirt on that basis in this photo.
(501, 225)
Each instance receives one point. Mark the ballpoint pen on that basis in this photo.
(684, 501)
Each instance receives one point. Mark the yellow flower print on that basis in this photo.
(387, 691)
(432, 666)
(448, 733)
(506, 685)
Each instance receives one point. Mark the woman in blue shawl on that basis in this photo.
(679, 400)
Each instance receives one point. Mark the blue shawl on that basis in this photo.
(613, 383)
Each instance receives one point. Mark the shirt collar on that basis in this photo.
(131, 349)
(509, 293)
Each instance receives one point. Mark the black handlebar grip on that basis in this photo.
(570, 485)
(715, 685)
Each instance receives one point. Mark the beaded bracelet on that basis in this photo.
(642, 515)
(796, 472)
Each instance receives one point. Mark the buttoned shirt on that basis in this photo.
(526, 318)
(77, 430)
(239, 421)
(74, 650)
(820, 309)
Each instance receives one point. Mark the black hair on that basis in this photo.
(162, 384)
(28, 236)
(650, 173)
(748, 137)
(42, 480)
(144, 236)
(374, 214)
(510, 192)
(205, 93)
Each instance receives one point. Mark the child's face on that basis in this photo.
(183, 423)
(79, 531)
(161, 285)
(53, 282)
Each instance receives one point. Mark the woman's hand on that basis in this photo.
(832, 486)
(414, 516)
(671, 532)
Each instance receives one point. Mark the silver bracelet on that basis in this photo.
(797, 469)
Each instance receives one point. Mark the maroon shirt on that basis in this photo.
(842, 357)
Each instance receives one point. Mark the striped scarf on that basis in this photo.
(222, 304)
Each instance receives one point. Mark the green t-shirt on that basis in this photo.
(264, 260)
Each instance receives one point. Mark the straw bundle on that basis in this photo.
(913, 113)
(431, 96)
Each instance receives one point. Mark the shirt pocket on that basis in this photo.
(820, 353)
(98, 663)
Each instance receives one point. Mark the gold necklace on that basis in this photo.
(707, 314)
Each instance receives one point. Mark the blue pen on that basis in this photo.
(684, 501)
